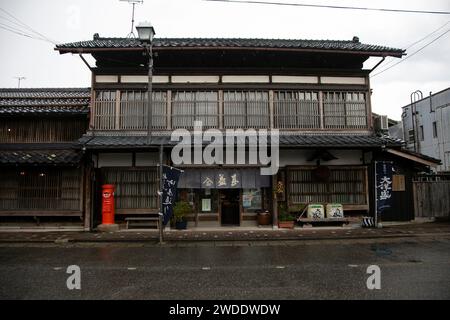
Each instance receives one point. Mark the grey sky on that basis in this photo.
(67, 21)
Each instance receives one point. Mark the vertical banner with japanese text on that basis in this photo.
(170, 177)
(383, 192)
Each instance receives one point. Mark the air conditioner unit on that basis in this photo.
(381, 123)
(384, 125)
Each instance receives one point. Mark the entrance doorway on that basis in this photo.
(230, 207)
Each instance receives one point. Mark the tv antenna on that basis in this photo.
(18, 81)
(133, 3)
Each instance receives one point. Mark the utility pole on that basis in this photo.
(18, 80)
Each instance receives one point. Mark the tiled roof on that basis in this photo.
(44, 101)
(39, 157)
(336, 141)
(211, 43)
(122, 141)
(306, 141)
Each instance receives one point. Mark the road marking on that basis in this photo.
(206, 268)
(280, 267)
(131, 268)
(57, 268)
(353, 265)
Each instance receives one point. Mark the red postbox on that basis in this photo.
(108, 204)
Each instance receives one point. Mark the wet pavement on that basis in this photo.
(227, 234)
(411, 268)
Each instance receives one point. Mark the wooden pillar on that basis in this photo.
(169, 109)
(369, 105)
(220, 109)
(271, 109)
(93, 106)
(117, 111)
(274, 202)
(321, 109)
(87, 173)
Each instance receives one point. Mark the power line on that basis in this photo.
(413, 54)
(21, 33)
(28, 27)
(418, 41)
(428, 35)
(332, 7)
(11, 21)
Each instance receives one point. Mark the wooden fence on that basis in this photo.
(432, 196)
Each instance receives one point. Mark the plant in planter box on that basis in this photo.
(285, 218)
(180, 210)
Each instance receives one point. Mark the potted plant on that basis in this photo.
(180, 210)
(285, 219)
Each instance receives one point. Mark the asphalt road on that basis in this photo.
(410, 269)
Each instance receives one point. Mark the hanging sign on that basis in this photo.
(170, 177)
(383, 191)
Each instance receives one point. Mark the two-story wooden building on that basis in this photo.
(41, 164)
(315, 92)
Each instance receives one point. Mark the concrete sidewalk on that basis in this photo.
(228, 234)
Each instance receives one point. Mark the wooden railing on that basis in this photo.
(296, 110)
(188, 107)
(288, 110)
(246, 110)
(344, 110)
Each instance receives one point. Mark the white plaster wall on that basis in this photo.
(295, 79)
(143, 79)
(195, 79)
(106, 79)
(115, 160)
(299, 157)
(343, 80)
(245, 79)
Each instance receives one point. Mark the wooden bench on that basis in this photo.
(147, 221)
(342, 221)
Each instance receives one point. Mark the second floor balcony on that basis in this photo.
(225, 109)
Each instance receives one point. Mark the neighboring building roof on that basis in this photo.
(44, 101)
(348, 46)
(444, 93)
(40, 157)
(416, 157)
(305, 141)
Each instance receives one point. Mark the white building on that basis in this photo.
(428, 130)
